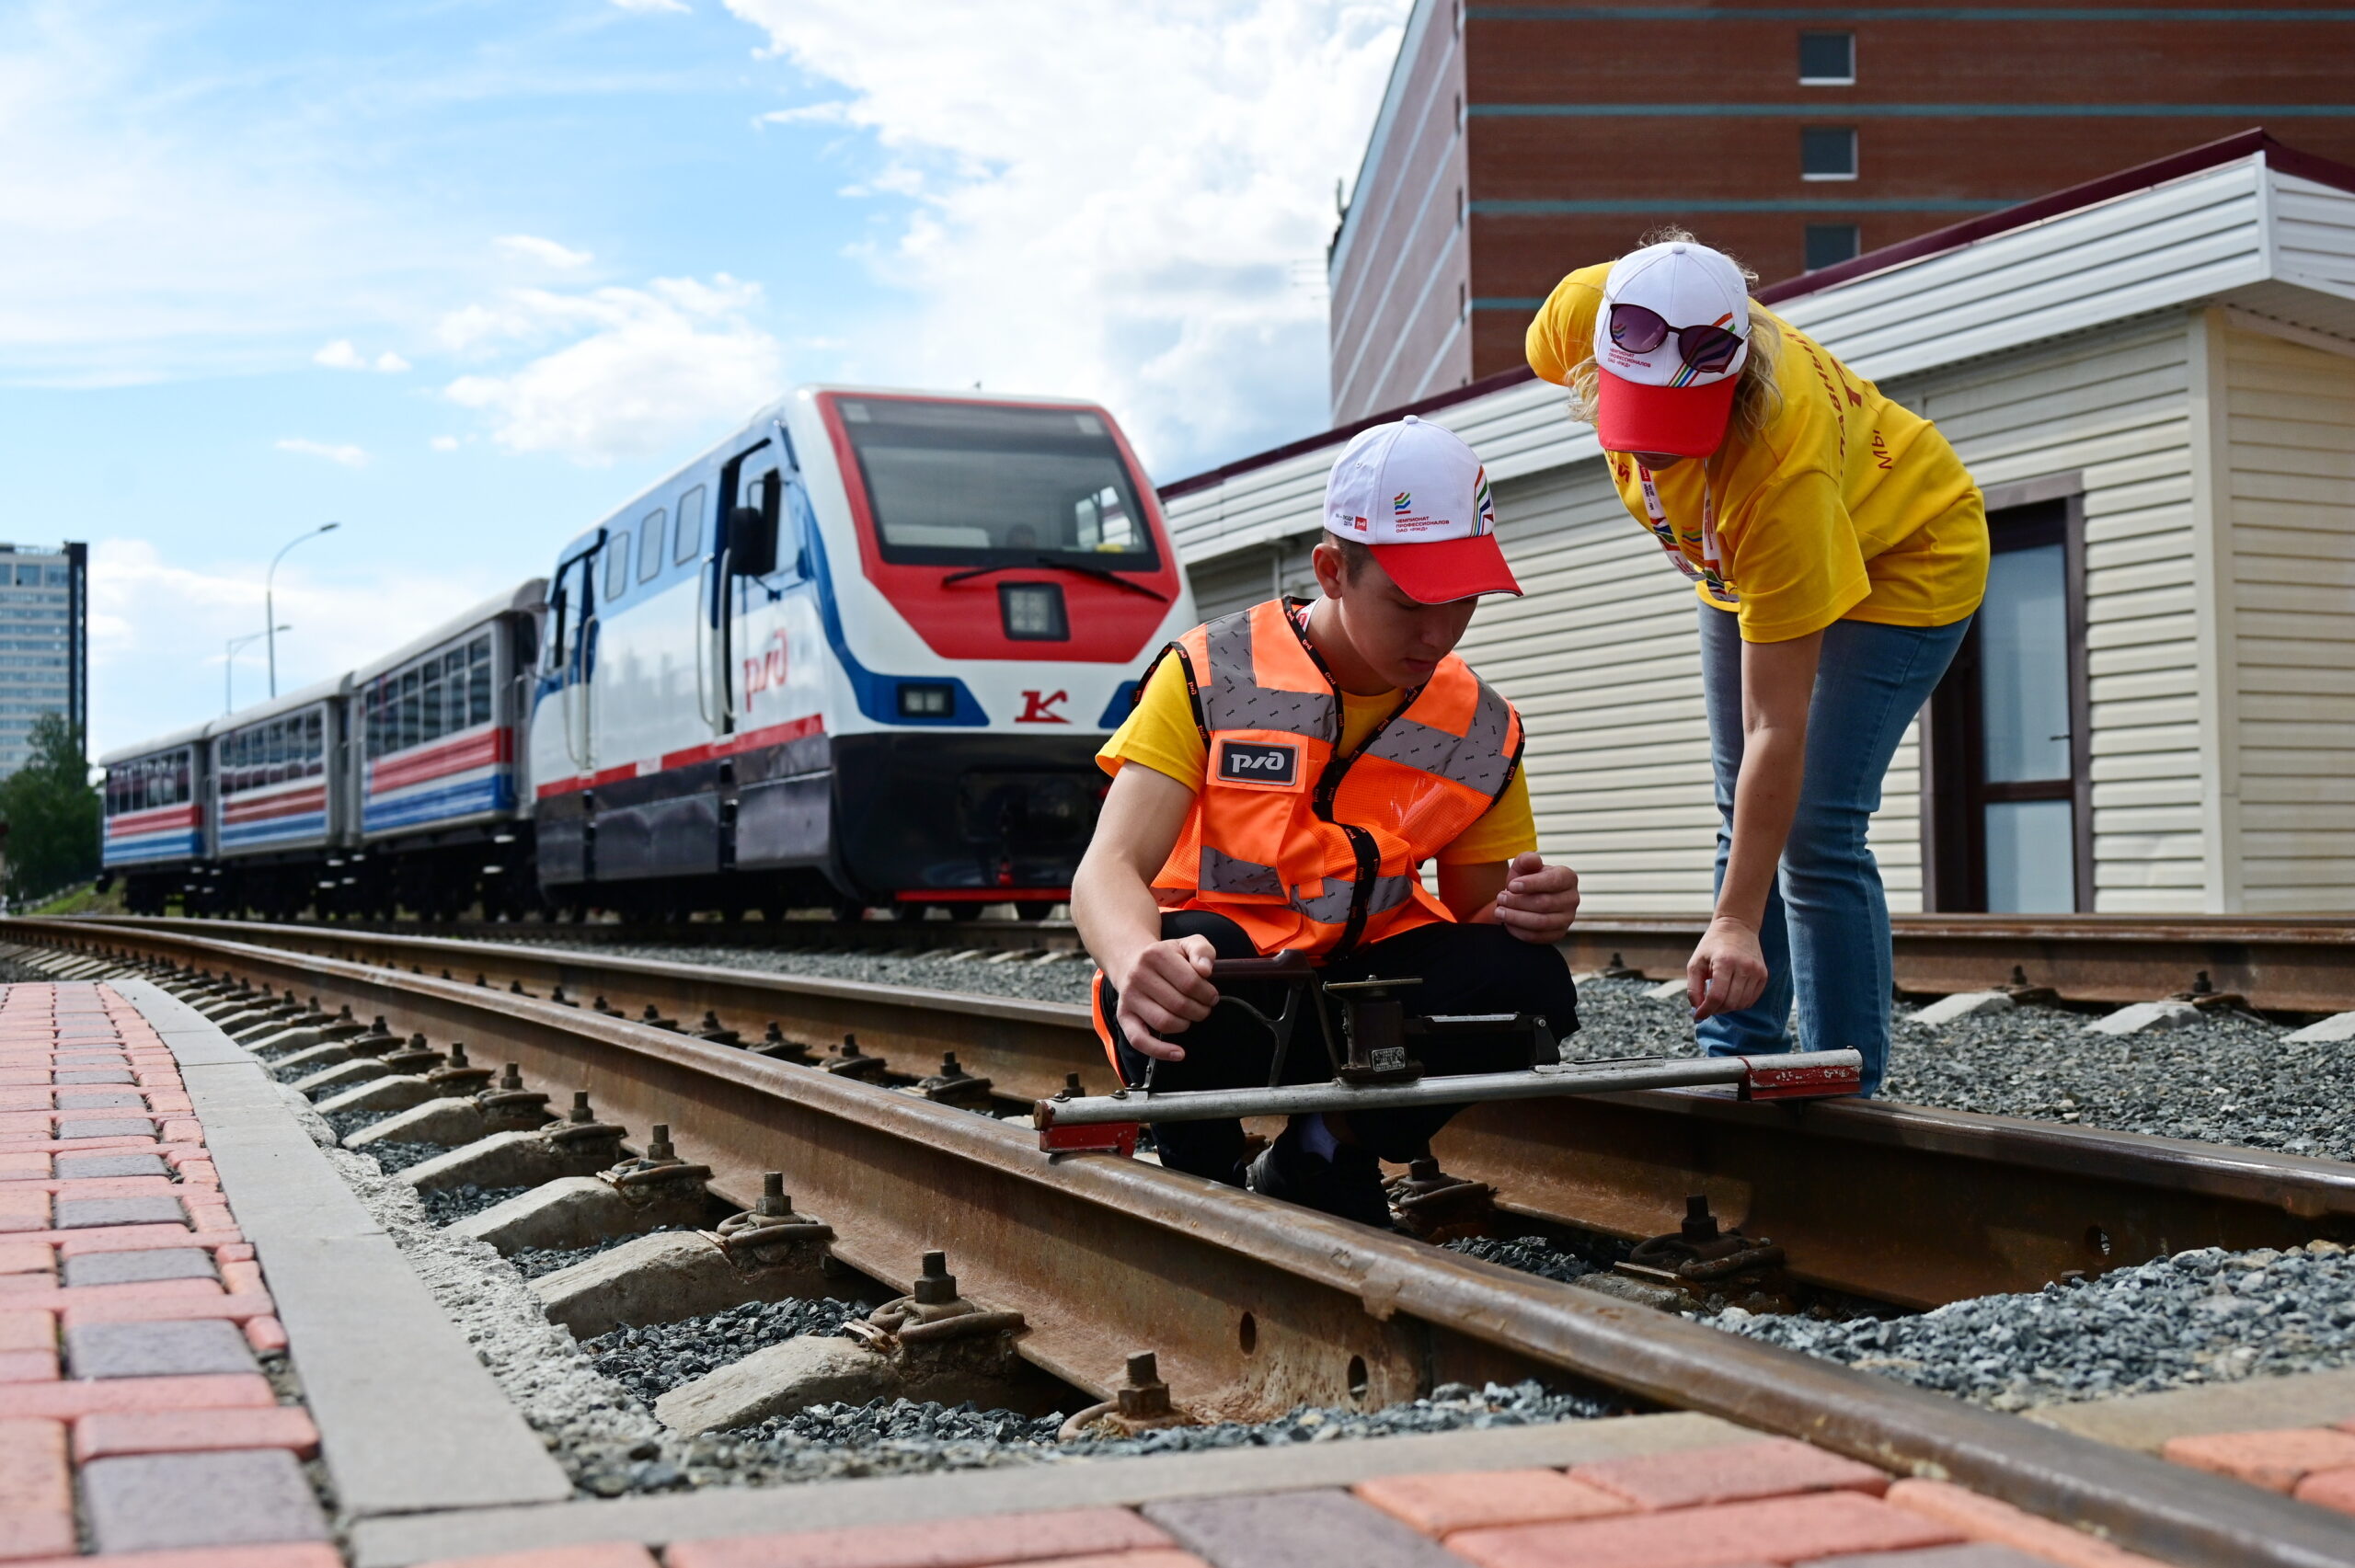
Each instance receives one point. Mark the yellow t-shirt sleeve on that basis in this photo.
(1561, 335)
(1797, 564)
(1160, 731)
(1502, 831)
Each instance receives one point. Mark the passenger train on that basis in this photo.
(859, 654)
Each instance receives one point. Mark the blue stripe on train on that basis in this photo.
(180, 846)
(496, 793)
(310, 825)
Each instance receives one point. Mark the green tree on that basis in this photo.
(52, 812)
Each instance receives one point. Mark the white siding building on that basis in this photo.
(2153, 379)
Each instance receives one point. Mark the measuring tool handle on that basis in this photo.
(1283, 967)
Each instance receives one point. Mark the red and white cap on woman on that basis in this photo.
(1417, 496)
(1669, 391)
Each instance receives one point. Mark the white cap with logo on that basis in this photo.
(1418, 496)
(1671, 339)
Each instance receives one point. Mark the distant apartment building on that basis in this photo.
(1518, 140)
(44, 642)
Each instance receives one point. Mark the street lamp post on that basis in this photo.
(229, 659)
(269, 604)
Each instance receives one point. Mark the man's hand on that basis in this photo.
(1164, 987)
(1726, 971)
(1539, 901)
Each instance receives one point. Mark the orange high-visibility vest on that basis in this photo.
(1307, 850)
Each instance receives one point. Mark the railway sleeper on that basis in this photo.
(931, 1345)
(579, 1146)
(768, 1253)
(655, 1189)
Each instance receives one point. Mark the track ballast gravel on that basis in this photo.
(2199, 1317)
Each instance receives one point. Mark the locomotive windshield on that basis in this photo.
(967, 485)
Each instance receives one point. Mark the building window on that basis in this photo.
(1827, 59)
(1829, 245)
(1828, 151)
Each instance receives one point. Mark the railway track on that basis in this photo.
(1254, 1307)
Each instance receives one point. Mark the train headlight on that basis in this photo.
(926, 699)
(1033, 611)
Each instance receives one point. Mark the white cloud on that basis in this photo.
(1109, 199)
(340, 355)
(444, 443)
(157, 628)
(543, 252)
(349, 455)
(638, 368)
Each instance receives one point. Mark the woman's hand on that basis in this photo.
(1164, 987)
(1726, 971)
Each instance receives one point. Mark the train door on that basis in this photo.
(562, 735)
(773, 674)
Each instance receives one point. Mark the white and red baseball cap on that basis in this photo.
(1417, 496)
(1669, 342)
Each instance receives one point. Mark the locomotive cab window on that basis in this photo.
(689, 531)
(650, 545)
(973, 485)
(617, 565)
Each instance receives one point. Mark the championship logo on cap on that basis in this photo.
(1669, 343)
(1418, 496)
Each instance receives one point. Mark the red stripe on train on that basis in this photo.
(489, 747)
(735, 745)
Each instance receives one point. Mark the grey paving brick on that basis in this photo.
(157, 1350)
(100, 1100)
(161, 1209)
(137, 1268)
(1971, 1554)
(108, 1162)
(1293, 1527)
(105, 1126)
(90, 1075)
(158, 1502)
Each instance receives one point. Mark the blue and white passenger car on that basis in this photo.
(153, 813)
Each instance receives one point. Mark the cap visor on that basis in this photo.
(1680, 421)
(1443, 570)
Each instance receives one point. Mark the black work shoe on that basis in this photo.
(1347, 1186)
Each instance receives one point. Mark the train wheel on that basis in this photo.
(966, 911)
(907, 911)
(1033, 908)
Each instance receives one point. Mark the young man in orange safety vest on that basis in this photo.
(1285, 775)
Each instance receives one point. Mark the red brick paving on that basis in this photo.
(607, 1554)
(107, 1435)
(1779, 1529)
(1984, 1519)
(1440, 1505)
(2276, 1460)
(2328, 1489)
(285, 1555)
(1777, 1467)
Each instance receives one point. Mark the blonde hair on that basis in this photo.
(1756, 398)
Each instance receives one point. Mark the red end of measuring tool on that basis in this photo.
(1768, 1081)
(1096, 1137)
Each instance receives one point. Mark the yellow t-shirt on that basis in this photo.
(1847, 505)
(1160, 733)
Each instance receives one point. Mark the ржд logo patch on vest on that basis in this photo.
(1259, 764)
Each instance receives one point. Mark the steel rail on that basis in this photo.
(1906, 1204)
(1253, 1306)
(2289, 964)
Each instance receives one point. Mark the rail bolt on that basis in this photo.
(935, 1286)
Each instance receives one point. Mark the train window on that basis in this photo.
(314, 740)
(429, 714)
(965, 484)
(616, 565)
(478, 682)
(688, 536)
(650, 545)
(411, 724)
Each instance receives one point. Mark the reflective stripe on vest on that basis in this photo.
(1307, 850)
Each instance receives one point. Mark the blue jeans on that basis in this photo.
(1826, 932)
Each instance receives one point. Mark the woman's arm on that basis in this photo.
(1727, 972)
(1163, 985)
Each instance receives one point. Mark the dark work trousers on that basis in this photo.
(1463, 968)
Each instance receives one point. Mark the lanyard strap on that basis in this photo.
(1711, 573)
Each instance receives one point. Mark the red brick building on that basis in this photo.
(1517, 141)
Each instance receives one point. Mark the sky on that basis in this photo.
(461, 276)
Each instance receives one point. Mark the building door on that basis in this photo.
(2007, 807)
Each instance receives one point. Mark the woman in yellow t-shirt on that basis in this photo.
(1838, 548)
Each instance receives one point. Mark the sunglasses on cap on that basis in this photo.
(1640, 331)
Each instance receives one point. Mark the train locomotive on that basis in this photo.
(858, 654)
